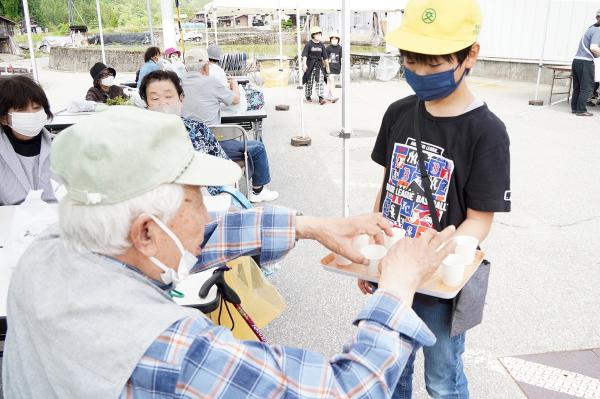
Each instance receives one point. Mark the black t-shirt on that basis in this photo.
(467, 158)
(25, 148)
(314, 51)
(334, 55)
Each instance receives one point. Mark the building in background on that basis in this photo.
(7, 31)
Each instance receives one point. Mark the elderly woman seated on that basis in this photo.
(24, 142)
(162, 91)
(104, 87)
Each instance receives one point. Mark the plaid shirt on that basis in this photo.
(196, 359)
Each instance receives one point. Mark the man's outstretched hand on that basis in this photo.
(337, 234)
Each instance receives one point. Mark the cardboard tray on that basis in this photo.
(433, 287)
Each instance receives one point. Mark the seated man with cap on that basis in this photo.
(104, 87)
(214, 57)
(95, 319)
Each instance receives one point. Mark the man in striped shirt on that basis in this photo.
(89, 311)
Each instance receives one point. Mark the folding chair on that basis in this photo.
(235, 132)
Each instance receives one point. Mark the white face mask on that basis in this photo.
(334, 42)
(28, 124)
(187, 261)
(108, 81)
(174, 109)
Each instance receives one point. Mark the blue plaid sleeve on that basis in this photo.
(196, 359)
(269, 232)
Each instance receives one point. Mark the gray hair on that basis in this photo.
(104, 229)
(195, 66)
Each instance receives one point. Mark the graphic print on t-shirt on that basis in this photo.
(405, 201)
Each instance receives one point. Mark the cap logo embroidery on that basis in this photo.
(429, 16)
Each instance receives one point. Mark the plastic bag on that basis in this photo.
(255, 99)
(260, 299)
(388, 68)
(239, 107)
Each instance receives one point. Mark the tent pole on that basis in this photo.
(301, 140)
(149, 14)
(346, 121)
(536, 100)
(280, 38)
(181, 38)
(30, 40)
(215, 22)
(206, 26)
(100, 29)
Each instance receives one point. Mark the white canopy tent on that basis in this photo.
(237, 7)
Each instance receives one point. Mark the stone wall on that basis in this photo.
(513, 70)
(82, 59)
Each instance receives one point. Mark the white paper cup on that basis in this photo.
(374, 254)
(467, 246)
(361, 241)
(340, 260)
(453, 269)
(398, 235)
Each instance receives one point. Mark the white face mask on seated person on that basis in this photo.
(108, 81)
(187, 261)
(28, 124)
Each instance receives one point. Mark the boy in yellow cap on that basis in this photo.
(314, 65)
(447, 162)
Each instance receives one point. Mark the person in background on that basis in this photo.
(104, 87)
(173, 61)
(314, 65)
(205, 92)
(24, 142)
(214, 57)
(152, 59)
(583, 68)
(334, 59)
(163, 92)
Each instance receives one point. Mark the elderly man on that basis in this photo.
(205, 93)
(89, 311)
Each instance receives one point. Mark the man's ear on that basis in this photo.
(4, 120)
(472, 57)
(142, 234)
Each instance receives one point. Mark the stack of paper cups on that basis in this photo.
(398, 235)
(374, 254)
(453, 269)
(467, 246)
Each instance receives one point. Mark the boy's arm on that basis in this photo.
(477, 224)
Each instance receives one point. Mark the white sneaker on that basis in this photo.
(265, 195)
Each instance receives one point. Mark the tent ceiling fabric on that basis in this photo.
(231, 7)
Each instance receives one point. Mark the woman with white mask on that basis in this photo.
(104, 87)
(24, 142)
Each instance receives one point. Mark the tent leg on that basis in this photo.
(30, 40)
(346, 132)
(302, 140)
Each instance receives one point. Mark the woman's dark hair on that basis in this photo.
(419, 58)
(151, 52)
(158, 76)
(18, 92)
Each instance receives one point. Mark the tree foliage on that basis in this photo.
(116, 14)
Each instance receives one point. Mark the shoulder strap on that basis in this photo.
(424, 176)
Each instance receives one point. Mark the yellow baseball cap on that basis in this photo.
(437, 27)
